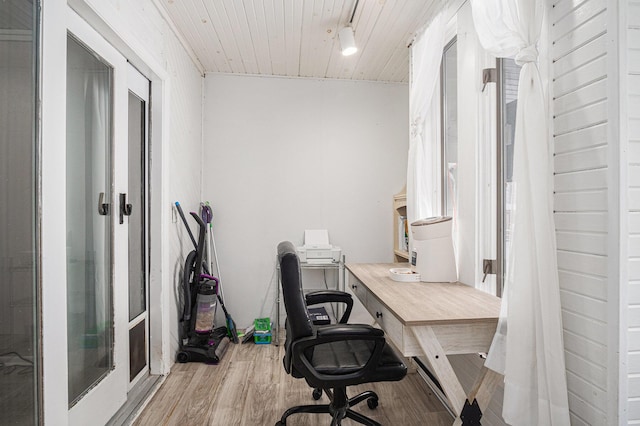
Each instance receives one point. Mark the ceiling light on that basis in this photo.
(347, 41)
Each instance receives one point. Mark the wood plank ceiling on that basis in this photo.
(299, 38)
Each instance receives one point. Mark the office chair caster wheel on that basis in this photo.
(279, 423)
(372, 403)
(183, 357)
(317, 394)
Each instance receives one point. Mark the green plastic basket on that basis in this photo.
(262, 333)
(262, 339)
(262, 324)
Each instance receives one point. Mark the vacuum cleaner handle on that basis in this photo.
(186, 225)
(200, 247)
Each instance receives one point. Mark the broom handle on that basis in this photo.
(215, 256)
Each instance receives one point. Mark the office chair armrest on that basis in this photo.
(337, 333)
(331, 296)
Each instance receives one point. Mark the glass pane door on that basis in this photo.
(19, 356)
(88, 206)
(137, 233)
(137, 219)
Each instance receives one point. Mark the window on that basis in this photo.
(508, 75)
(476, 155)
(449, 107)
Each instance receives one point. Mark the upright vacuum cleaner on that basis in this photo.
(199, 340)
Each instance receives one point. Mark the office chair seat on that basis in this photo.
(349, 356)
(331, 357)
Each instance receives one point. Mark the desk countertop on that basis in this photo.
(420, 303)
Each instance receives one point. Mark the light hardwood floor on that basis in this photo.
(250, 387)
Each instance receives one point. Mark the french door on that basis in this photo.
(138, 223)
(106, 220)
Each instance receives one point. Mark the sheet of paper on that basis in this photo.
(316, 237)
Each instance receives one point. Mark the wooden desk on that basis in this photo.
(432, 320)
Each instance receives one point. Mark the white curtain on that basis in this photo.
(97, 102)
(424, 112)
(528, 347)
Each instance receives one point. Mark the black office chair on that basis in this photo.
(331, 357)
(320, 297)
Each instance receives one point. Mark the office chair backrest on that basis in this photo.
(298, 322)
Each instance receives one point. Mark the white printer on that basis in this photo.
(316, 248)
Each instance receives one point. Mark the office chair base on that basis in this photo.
(338, 413)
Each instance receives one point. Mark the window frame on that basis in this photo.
(500, 264)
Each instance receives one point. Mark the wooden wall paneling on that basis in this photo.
(587, 392)
(582, 34)
(311, 13)
(364, 23)
(293, 33)
(198, 34)
(585, 368)
(589, 222)
(582, 263)
(567, 62)
(580, 180)
(559, 8)
(377, 40)
(215, 18)
(588, 349)
(562, 8)
(634, 199)
(274, 18)
(581, 118)
(590, 94)
(634, 340)
(583, 160)
(581, 201)
(575, 302)
(583, 284)
(402, 21)
(582, 242)
(581, 410)
(257, 26)
(581, 139)
(582, 76)
(236, 16)
(584, 325)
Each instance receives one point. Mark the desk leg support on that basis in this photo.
(480, 395)
(441, 367)
(483, 389)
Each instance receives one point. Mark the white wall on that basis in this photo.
(285, 155)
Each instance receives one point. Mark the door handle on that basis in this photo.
(103, 208)
(125, 208)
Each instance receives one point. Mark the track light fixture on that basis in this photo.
(347, 41)
(346, 36)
